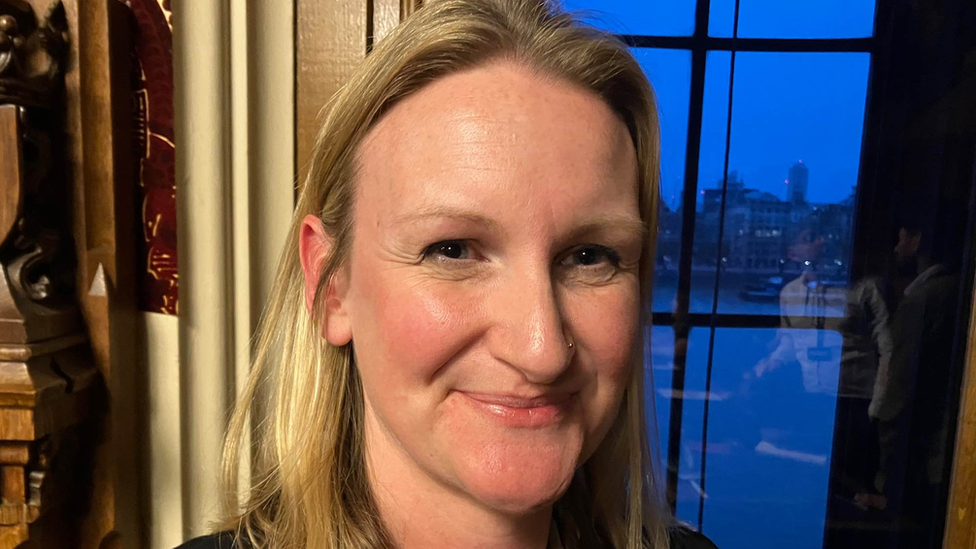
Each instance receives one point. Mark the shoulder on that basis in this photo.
(686, 538)
(224, 540)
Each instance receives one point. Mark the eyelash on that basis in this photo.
(431, 250)
(611, 255)
(436, 248)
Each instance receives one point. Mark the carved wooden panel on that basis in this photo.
(48, 381)
(77, 437)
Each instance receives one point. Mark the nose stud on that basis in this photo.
(570, 345)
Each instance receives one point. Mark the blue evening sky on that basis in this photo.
(787, 107)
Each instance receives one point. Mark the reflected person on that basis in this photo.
(866, 350)
(804, 303)
(910, 398)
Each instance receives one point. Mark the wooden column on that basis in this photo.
(99, 142)
(330, 42)
(332, 38)
(961, 509)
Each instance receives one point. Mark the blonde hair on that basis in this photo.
(310, 486)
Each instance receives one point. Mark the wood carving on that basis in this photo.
(35, 270)
(46, 373)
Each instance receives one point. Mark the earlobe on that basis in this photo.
(314, 248)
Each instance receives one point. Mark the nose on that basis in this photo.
(529, 331)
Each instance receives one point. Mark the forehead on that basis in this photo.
(496, 136)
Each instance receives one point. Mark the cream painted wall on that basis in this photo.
(159, 351)
(234, 106)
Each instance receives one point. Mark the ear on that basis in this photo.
(314, 247)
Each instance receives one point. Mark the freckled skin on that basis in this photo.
(532, 161)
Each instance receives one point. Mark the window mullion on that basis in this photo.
(681, 325)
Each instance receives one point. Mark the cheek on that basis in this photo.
(607, 325)
(405, 332)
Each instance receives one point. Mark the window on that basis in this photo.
(792, 113)
(762, 108)
(814, 275)
(672, 66)
(792, 19)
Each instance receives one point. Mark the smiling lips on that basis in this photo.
(522, 412)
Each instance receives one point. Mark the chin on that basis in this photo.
(519, 499)
(518, 481)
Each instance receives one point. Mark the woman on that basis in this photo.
(454, 353)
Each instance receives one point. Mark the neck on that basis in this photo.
(421, 512)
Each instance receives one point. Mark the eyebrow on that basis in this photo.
(446, 212)
(623, 227)
(633, 227)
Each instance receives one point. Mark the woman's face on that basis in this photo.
(495, 222)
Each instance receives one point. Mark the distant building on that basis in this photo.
(668, 238)
(797, 184)
(755, 227)
(760, 228)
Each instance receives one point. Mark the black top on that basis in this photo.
(214, 541)
(681, 538)
(686, 538)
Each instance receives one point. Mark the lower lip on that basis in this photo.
(524, 417)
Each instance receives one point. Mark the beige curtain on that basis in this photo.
(234, 105)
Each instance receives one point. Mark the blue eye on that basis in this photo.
(449, 249)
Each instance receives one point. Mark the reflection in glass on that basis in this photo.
(648, 17)
(793, 18)
(670, 73)
(797, 121)
(770, 433)
(661, 355)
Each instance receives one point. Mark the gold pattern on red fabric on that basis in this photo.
(153, 95)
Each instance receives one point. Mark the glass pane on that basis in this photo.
(833, 408)
(721, 18)
(648, 17)
(793, 169)
(692, 401)
(659, 356)
(793, 18)
(711, 166)
(670, 73)
(770, 437)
